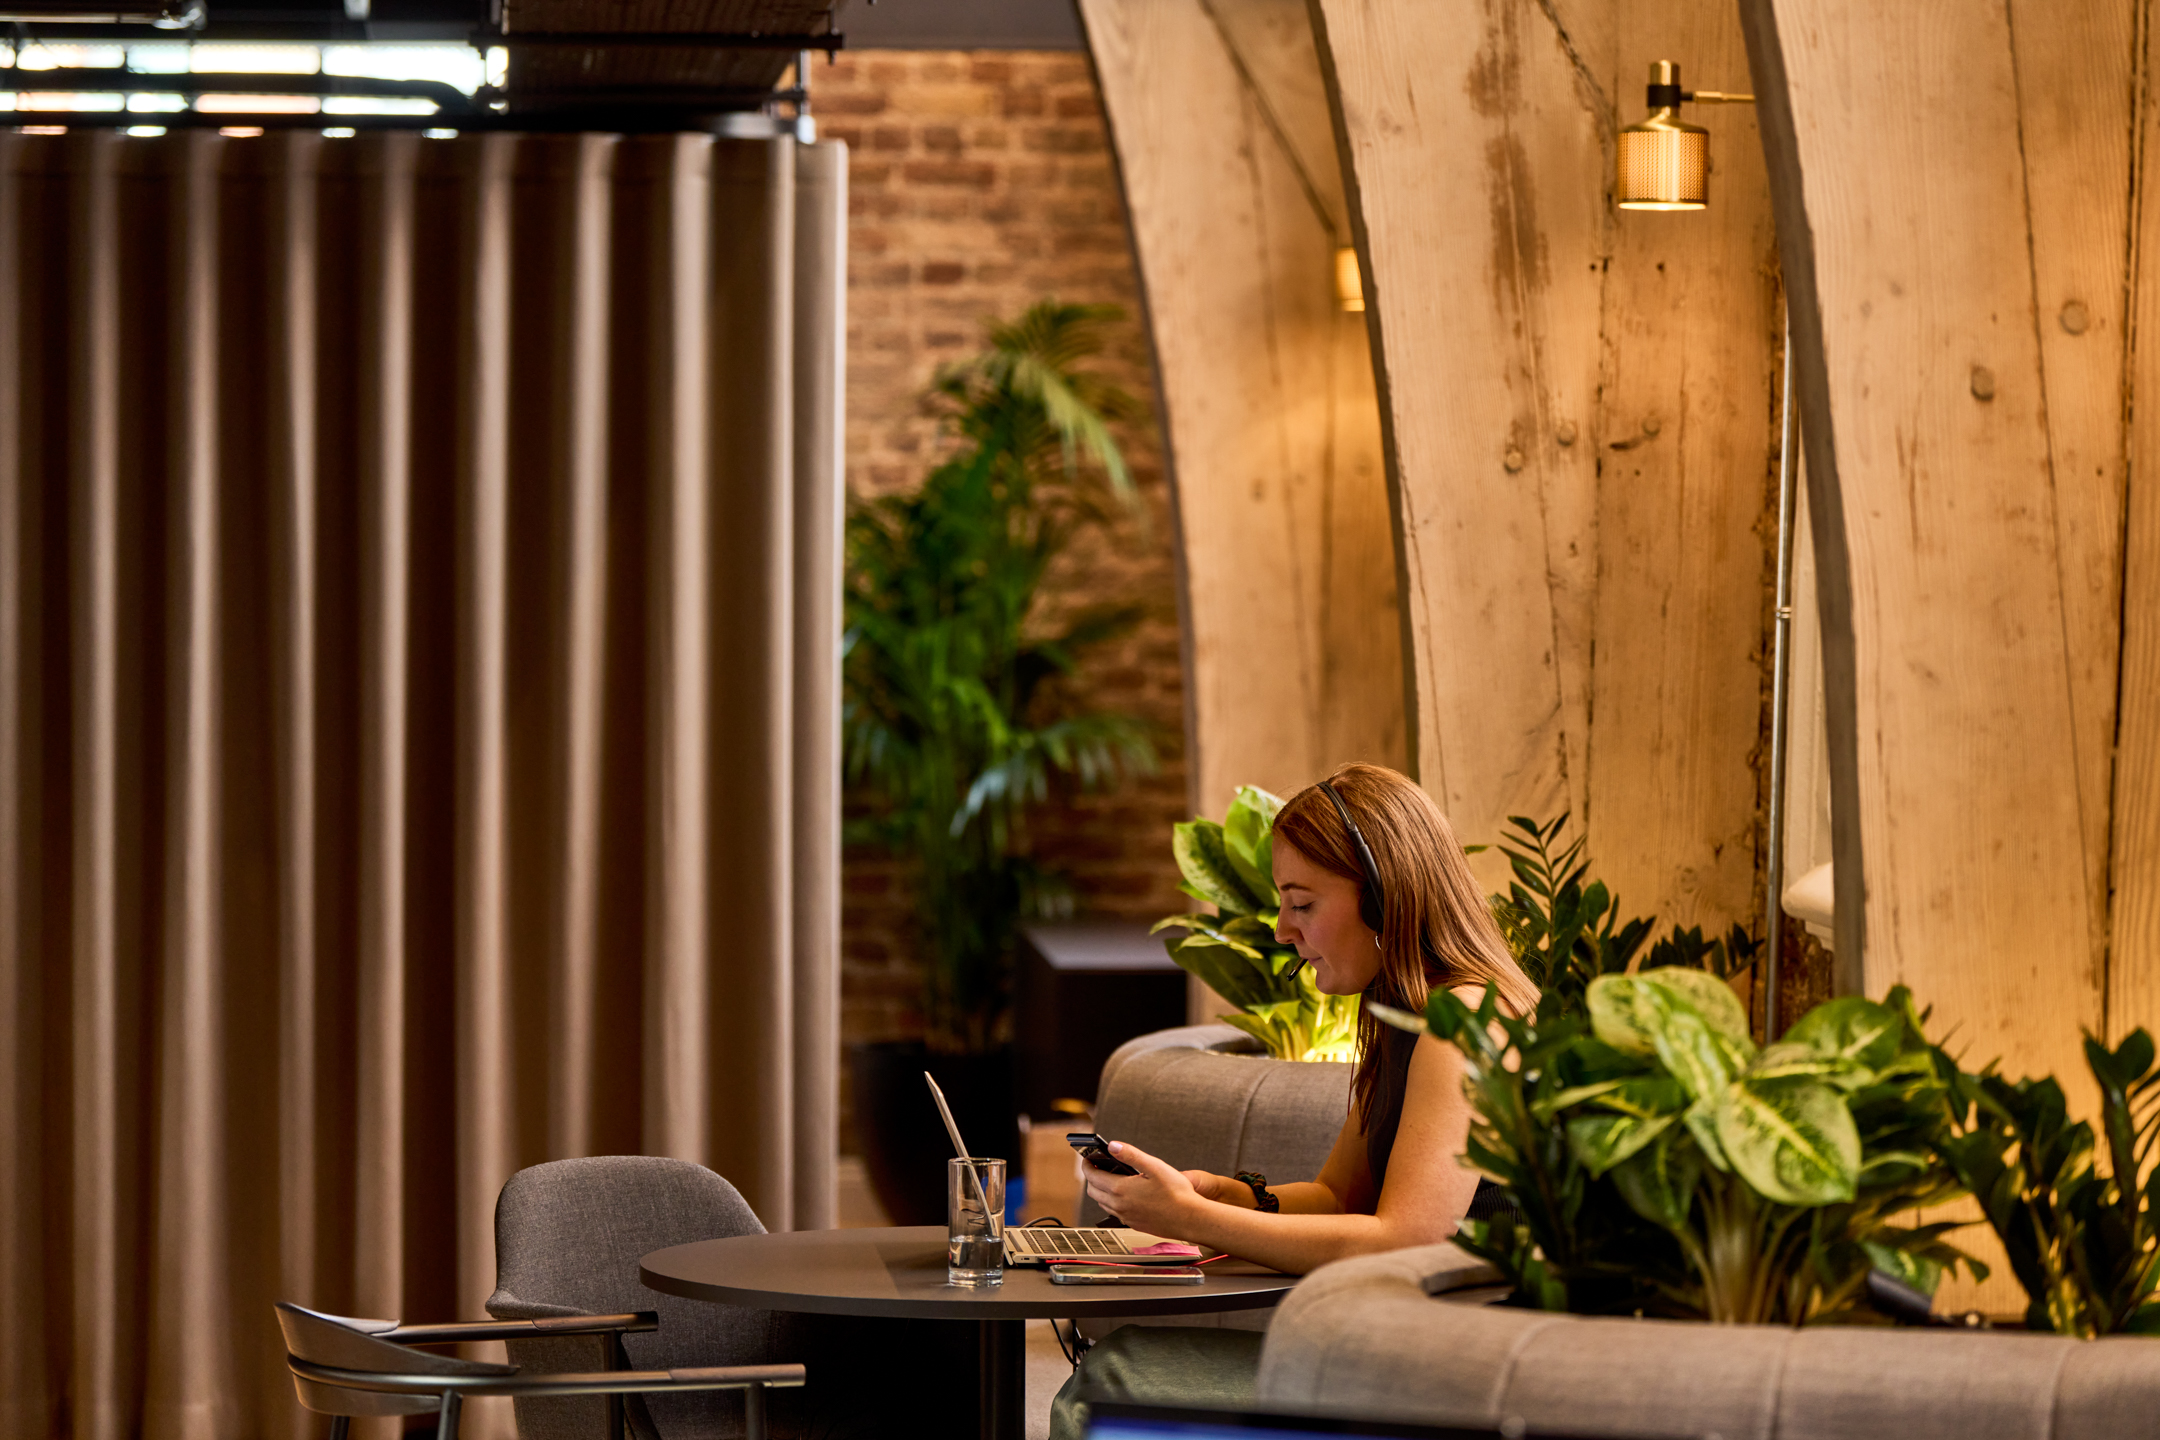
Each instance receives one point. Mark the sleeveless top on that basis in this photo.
(1393, 1083)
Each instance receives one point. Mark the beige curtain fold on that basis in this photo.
(418, 729)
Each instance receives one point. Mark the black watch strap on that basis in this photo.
(1263, 1200)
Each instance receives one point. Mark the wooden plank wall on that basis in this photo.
(1221, 129)
(1579, 407)
(2134, 935)
(1948, 190)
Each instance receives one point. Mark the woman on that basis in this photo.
(1394, 930)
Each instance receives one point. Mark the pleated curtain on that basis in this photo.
(418, 729)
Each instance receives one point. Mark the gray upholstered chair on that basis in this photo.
(1203, 1098)
(568, 1237)
(343, 1367)
(1386, 1337)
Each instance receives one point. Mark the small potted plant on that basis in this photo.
(1229, 864)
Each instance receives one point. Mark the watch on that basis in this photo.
(1263, 1200)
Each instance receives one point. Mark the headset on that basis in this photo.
(1372, 897)
(1372, 900)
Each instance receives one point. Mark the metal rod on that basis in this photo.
(1780, 694)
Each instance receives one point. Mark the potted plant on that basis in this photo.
(955, 716)
(2083, 1241)
(1663, 1163)
(1234, 951)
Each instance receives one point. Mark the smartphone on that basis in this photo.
(1126, 1275)
(1096, 1152)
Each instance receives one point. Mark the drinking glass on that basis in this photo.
(975, 1222)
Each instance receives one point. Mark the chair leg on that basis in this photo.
(754, 1413)
(446, 1422)
(340, 1425)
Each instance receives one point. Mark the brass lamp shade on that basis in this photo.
(1664, 164)
(1349, 284)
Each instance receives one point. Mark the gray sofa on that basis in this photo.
(1203, 1098)
(1395, 1337)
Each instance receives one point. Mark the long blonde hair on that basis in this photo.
(1435, 929)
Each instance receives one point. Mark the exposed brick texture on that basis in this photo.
(981, 183)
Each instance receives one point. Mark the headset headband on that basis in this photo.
(1372, 905)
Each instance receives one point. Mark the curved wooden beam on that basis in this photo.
(1579, 410)
(1963, 465)
(1293, 641)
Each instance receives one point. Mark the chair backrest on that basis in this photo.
(345, 1343)
(1202, 1109)
(568, 1238)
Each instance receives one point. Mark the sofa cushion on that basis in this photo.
(1364, 1337)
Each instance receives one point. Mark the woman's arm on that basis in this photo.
(1331, 1194)
(1426, 1193)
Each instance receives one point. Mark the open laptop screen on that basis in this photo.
(1113, 1420)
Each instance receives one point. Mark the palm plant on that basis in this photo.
(954, 720)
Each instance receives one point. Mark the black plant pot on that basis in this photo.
(896, 1122)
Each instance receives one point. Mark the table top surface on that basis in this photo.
(900, 1273)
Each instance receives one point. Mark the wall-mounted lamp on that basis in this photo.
(1349, 284)
(1664, 162)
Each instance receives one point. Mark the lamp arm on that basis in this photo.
(1716, 97)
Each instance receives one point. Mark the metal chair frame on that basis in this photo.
(753, 1380)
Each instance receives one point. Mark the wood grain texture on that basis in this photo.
(1475, 171)
(2134, 956)
(1895, 135)
(2073, 70)
(1686, 489)
(1581, 419)
(1293, 635)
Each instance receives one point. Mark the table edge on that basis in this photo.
(1196, 1300)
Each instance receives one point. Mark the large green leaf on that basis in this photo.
(1642, 1014)
(1851, 1029)
(1602, 1141)
(1204, 859)
(1658, 1182)
(1712, 998)
(1800, 1062)
(1228, 970)
(1249, 835)
(1792, 1141)
(1622, 1016)
(1701, 1118)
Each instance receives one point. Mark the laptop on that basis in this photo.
(1119, 1420)
(1064, 1245)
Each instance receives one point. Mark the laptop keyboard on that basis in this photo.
(1057, 1240)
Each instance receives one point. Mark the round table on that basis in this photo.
(900, 1274)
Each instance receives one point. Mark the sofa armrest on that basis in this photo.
(1363, 1338)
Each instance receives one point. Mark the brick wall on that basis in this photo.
(981, 182)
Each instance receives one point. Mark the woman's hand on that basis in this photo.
(1159, 1200)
